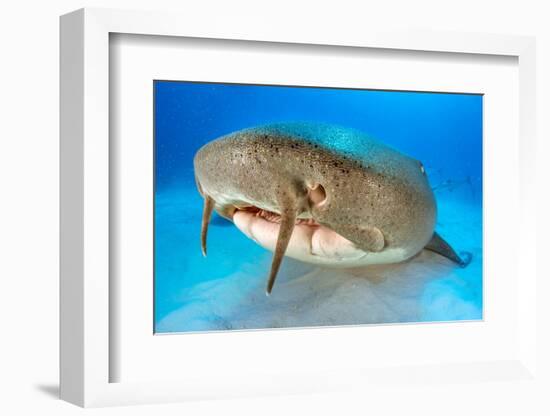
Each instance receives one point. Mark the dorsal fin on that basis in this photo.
(440, 246)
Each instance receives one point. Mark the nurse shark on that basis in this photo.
(322, 194)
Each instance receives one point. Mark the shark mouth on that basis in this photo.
(310, 241)
(273, 216)
(285, 234)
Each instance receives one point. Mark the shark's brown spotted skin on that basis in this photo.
(370, 194)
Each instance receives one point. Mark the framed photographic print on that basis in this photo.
(312, 204)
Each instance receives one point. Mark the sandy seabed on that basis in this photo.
(226, 290)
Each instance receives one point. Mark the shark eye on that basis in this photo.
(317, 195)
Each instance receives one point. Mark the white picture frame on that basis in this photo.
(87, 356)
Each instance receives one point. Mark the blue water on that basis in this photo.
(444, 131)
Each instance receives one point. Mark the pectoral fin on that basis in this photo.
(367, 238)
(440, 246)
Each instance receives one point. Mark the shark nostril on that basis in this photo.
(317, 195)
(199, 187)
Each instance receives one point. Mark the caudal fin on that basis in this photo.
(440, 246)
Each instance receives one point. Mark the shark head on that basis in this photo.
(319, 193)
